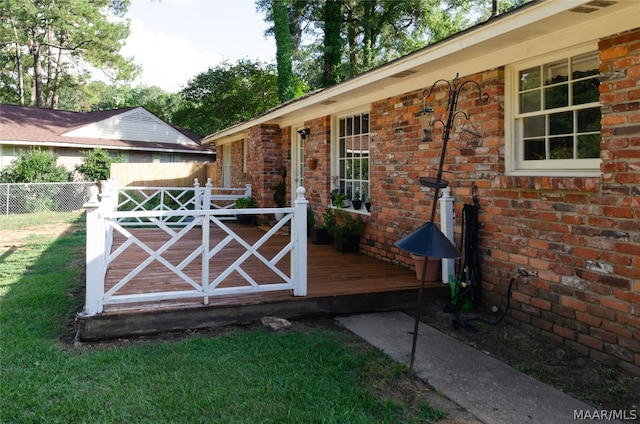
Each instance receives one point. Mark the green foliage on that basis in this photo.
(280, 190)
(245, 202)
(286, 86)
(35, 166)
(333, 43)
(226, 95)
(47, 44)
(346, 224)
(96, 165)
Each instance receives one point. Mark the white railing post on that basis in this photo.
(197, 195)
(299, 239)
(95, 245)
(447, 227)
(248, 192)
(205, 221)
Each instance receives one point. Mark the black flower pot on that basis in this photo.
(347, 244)
(246, 219)
(320, 236)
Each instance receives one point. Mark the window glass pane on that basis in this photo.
(585, 65)
(556, 72)
(561, 123)
(341, 126)
(589, 146)
(561, 148)
(534, 149)
(530, 78)
(534, 126)
(556, 96)
(552, 123)
(353, 156)
(589, 119)
(530, 101)
(585, 91)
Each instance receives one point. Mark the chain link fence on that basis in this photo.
(20, 198)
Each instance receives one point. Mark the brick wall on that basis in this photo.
(580, 235)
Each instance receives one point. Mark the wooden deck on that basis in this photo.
(338, 283)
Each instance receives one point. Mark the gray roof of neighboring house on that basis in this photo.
(49, 127)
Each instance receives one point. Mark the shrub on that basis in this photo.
(96, 165)
(35, 166)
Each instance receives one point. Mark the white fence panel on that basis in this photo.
(104, 225)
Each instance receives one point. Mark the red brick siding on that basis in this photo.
(580, 235)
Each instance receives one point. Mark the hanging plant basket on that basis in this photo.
(312, 164)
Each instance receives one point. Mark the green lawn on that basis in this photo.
(241, 376)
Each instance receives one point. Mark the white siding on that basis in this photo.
(133, 125)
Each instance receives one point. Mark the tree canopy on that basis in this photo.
(46, 45)
(227, 94)
(49, 50)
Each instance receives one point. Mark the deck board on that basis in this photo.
(329, 273)
(337, 283)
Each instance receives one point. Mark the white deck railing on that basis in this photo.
(202, 213)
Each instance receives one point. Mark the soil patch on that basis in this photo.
(604, 386)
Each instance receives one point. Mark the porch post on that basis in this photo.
(447, 227)
(299, 238)
(95, 245)
(205, 221)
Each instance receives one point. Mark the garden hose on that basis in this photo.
(466, 323)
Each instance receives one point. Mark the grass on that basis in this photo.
(248, 375)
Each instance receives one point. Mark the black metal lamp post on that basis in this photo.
(428, 240)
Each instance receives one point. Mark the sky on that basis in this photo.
(174, 40)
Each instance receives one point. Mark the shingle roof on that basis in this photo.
(36, 126)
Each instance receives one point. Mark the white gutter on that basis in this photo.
(102, 146)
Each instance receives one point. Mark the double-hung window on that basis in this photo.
(555, 115)
(351, 169)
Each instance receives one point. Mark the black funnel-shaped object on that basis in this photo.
(428, 241)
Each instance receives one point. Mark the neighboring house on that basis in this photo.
(554, 154)
(133, 134)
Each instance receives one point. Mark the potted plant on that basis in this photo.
(367, 203)
(312, 163)
(356, 202)
(346, 231)
(320, 233)
(280, 192)
(339, 200)
(245, 203)
(432, 273)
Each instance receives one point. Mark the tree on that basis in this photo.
(286, 86)
(227, 94)
(96, 165)
(35, 166)
(333, 45)
(46, 45)
(348, 37)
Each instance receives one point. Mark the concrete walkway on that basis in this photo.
(491, 390)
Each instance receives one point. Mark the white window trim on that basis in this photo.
(335, 135)
(516, 167)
